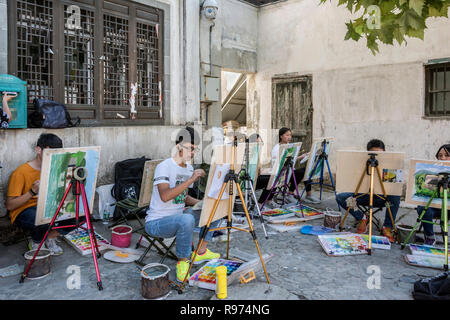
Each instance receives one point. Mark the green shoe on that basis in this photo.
(182, 270)
(206, 256)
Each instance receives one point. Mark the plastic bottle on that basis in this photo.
(106, 214)
(221, 282)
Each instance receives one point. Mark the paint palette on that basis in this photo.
(273, 215)
(343, 245)
(206, 276)
(425, 261)
(308, 212)
(425, 250)
(378, 242)
(80, 241)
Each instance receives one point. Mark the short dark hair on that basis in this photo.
(375, 143)
(446, 147)
(187, 134)
(49, 140)
(281, 132)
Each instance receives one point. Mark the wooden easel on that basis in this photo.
(233, 179)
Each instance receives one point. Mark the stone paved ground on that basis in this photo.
(299, 270)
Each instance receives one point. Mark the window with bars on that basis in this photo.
(87, 54)
(437, 84)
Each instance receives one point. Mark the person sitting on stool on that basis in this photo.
(341, 198)
(443, 154)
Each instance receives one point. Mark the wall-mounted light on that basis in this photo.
(210, 9)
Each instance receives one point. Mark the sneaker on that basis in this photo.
(206, 256)
(291, 198)
(182, 270)
(430, 240)
(311, 199)
(387, 232)
(53, 247)
(362, 226)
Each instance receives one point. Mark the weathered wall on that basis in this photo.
(356, 96)
(3, 37)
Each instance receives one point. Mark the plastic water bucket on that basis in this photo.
(403, 233)
(121, 236)
(41, 266)
(155, 281)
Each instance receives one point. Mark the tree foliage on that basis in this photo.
(398, 19)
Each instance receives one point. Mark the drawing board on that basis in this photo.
(286, 150)
(145, 194)
(351, 165)
(316, 150)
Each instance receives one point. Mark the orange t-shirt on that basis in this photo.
(20, 182)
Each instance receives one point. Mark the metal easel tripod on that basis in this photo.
(371, 165)
(247, 180)
(232, 179)
(442, 183)
(77, 180)
(320, 162)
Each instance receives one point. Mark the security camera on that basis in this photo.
(210, 8)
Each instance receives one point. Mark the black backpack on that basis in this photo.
(50, 114)
(127, 180)
(435, 288)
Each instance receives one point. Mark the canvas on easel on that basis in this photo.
(145, 194)
(286, 150)
(316, 150)
(350, 165)
(253, 161)
(56, 173)
(222, 156)
(423, 175)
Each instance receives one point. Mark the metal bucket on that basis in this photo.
(331, 219)
(155, 281)
(41, 266)
(403, 233)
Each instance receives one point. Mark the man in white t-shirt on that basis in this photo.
(165, 216)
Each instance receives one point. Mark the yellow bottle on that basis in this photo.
(221, 282)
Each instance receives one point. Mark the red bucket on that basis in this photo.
(121, 236)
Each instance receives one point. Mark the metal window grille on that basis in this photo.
(116, 64)
(35, 47)
(438, 89)
(147, 66)
(79, 58)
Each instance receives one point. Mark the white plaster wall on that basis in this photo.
(356, 96)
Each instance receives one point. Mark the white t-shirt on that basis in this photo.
(169, 172)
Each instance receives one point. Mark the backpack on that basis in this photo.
(435, 288)
(50, 114)
(127, 180)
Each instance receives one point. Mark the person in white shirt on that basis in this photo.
(285, 137)
(165, 217)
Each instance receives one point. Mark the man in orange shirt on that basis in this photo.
(22, 196)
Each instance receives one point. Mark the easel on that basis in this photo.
(321, 160)
(231, 178)
(245, 177)
(442, 183)
(288, 165)
(77, 180)
(371, 165)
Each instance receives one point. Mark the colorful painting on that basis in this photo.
(306, 212)
(378, 242)
(206, 277)
(424, 261)
(58, 166)
(343, 245)
(80, 241)
(253, 163)
(319, 145)
(393, 176)
(425, 250)
(422, 182)
(286, 150)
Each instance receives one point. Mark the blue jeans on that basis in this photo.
(377, 202)
(182, 227)
(27, 217)
(430, 214)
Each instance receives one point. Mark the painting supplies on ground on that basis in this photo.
(378, 242)
(11, 270)
(79, 240)
(425, 261)
(247, 277)
(206, 277)
(292, 214)
(306, 212)
(425, 250)
(343, 244)
(272, 215)
(281, 227)
(221, 279)
(316, 230)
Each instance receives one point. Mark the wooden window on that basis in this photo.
(86, 54)
(437, 84)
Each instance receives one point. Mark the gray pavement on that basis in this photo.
(299, 270)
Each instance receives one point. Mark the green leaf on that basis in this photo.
(351, 32)
(415, 33)
(386, 35)
(402, 2)
(372, 44)
(398, 35)
(416, 5)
